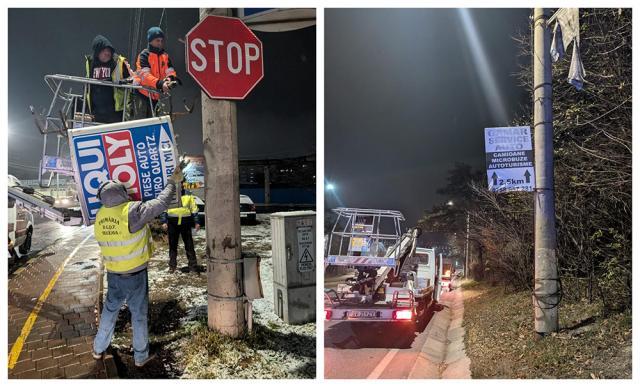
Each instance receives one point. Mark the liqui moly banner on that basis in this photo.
(140, 154)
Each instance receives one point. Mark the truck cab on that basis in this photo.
(446, 277)
(20, 224)
(20, 229)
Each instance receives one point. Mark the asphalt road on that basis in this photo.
(372, 350)
(45, 234)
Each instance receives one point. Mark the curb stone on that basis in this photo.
(443, 354)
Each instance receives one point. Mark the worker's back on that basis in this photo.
(124, 249)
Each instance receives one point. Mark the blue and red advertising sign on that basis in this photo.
(140, 154)
(57, 164)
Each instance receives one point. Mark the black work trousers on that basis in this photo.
(175, 232)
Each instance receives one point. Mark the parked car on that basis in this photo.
(20, 227)
(247, 210)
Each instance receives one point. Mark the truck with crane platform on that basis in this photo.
(67, 110)
(394, 281)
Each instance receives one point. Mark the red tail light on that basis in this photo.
(327, 315)
(402, 314)
(253, 207)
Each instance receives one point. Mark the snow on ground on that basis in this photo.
(178, 310)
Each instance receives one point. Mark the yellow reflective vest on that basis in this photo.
(121, 250)
(116, 77)
(189, 207)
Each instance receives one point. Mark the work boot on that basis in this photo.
(146, 361)
(194, 269)
(172, 269)
(95, 355)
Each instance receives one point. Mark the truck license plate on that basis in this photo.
(363, 314)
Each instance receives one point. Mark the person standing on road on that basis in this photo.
(178, 222)
(122, 231)
(105, 103)
(154, 70)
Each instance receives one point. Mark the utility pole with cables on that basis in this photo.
(226, 304)
(545, 293)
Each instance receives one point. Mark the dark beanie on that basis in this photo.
(154, 32)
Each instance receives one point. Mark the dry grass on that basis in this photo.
(501, 344)
(209, 355)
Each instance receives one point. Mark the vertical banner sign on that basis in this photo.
(140, 154)
(509, 157)
(194, 172)
(305, 232)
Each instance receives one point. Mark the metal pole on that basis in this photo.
(226, 312)
(57, 174)
(126, 100)
(267, 185)
(44, 152)
(153, 111)
(545, 297)
(466, 250)
(84, 104)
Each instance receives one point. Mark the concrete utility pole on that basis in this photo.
(545, 299)
(224, 256)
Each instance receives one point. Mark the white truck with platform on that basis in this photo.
(396, 281)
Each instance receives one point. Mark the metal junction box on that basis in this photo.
(293, 241)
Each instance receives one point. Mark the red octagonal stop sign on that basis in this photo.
(224, 57)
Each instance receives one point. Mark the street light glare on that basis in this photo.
(450, 203)
(484, 69)
(330, 187)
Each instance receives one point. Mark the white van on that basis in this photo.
(247, 210)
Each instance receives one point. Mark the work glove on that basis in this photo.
(177, 176)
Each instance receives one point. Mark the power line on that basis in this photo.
(17, 165)
(161, 17)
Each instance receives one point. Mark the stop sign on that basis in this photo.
(224, 57)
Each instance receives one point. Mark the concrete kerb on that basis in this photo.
(460, 369)
(443, 353)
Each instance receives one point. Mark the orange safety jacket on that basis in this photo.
(152, 69)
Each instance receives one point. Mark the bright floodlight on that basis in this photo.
(330, 187)
(450, 203)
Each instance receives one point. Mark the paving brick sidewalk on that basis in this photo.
(60, 342)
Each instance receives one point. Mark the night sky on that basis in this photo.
(406, 97)
(276, 120)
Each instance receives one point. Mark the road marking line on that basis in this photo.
(375, 374)
(14, 354)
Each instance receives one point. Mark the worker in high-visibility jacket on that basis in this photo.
(178, 223)
(122, 231)
(105, 103)
(155, 71)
